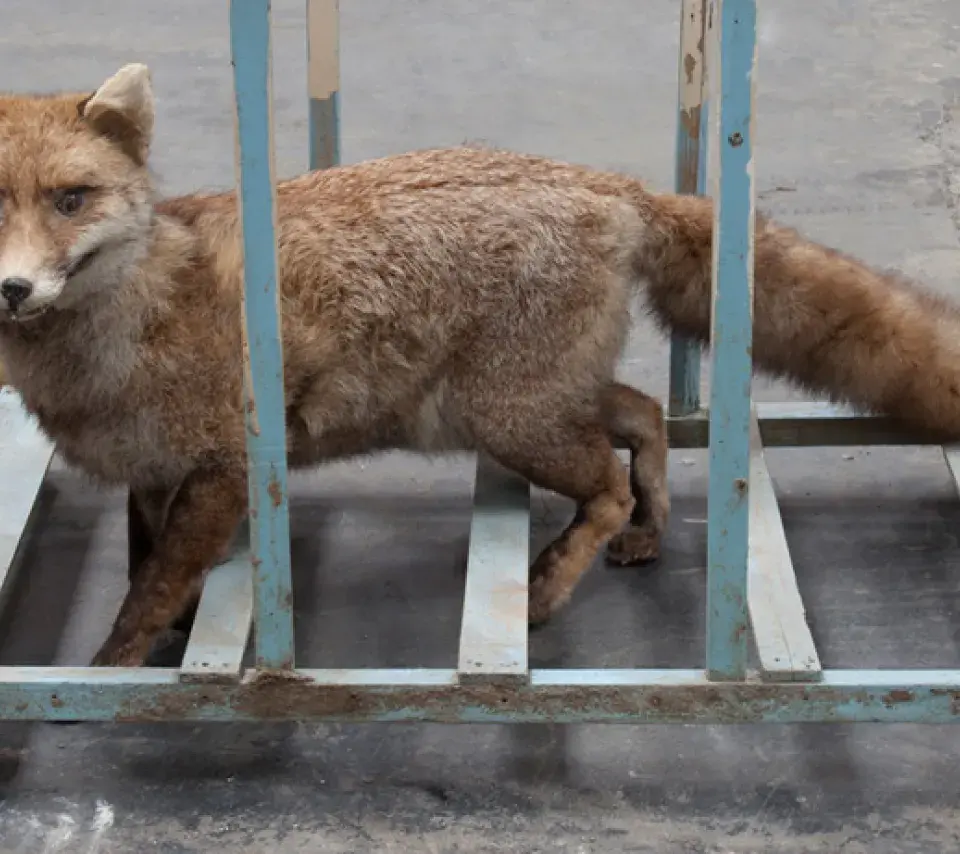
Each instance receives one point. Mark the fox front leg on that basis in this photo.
(200, 525)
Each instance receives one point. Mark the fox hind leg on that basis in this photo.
(578, 461)
(637, 419)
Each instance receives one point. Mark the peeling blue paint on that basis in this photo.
(560, 696)
(689, 177)
(263, 356)
(728, 511)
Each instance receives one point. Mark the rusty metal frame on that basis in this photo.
(752, 586)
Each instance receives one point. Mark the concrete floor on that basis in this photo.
(857, 145)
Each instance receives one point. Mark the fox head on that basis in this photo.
(75, 193)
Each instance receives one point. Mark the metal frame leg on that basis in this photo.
(323, 81)
(689, 177)
(263, 347)
(733, 30)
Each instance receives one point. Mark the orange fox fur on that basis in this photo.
(460, 299)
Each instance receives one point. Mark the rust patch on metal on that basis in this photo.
(250, 405)
(286, 698)
(166, 706)
(56, 702)
(893, 698)
(689, 66)
(289, 695)
(278, 677)
(953, 695)
(274, 491)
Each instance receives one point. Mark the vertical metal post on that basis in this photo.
(733, 65)
(323, 81)
(262, 349)
(689, 177)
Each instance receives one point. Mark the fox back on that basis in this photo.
(422, 294)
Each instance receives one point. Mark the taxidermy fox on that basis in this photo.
(444, 300)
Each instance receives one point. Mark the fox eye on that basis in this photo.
(68, 202)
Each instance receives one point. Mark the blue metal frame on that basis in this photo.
(731, 343)
(263, 347)
(690, 171)
(323, 82)
(550, 696)
(493, 683)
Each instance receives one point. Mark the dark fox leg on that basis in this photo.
(576, 460)
(637, 419)
(200, 525)
(146, 515)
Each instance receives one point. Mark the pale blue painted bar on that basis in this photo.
(493, 633)
(689, 174)
(446, 678)
(685, 356)
(263, 359)
(612, 677)
(399, 677)
(731, 341)
(800, 424)
(25, 455)
(785, 647)
(951, 454)
(558, 696)
(221, 628)
(703, 148)
(325, 131)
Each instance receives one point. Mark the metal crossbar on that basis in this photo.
(752, 588)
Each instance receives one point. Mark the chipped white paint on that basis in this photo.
(29, 826)
(493, 633)
(222, 625)
(25, 455)
(103, 819)
(691, 55)
(785, 645)
(72, 829)
(61, 834)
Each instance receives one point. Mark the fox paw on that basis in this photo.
(633, 547)
(542, 604)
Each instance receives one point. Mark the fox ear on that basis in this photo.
(122, 109)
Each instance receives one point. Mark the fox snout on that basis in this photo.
(22, 296)
(15, 290)
(29, 282)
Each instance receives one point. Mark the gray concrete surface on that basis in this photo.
(858, 145)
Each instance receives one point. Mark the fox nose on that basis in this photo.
(15, 290)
